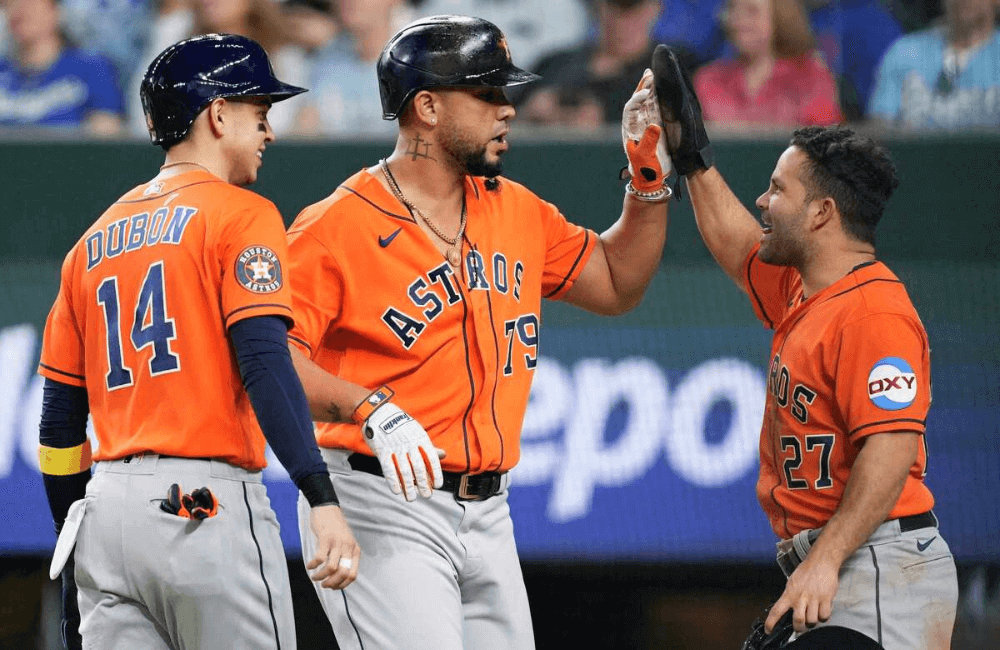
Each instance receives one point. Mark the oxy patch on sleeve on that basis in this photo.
(892, 384)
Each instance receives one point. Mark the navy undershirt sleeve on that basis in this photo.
(261, 345)
(63, 425)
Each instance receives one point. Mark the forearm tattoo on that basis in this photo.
(335, 413)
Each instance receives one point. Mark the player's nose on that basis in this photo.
(506, 112)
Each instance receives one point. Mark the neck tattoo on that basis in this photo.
(454, 253)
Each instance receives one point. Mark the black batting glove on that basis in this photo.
(680, 111)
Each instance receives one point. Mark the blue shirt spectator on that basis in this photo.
(343, 98)
(45, 82)
(343, 94)
(853, 35)
(693, 25)
(116, 29)
(925, 83)
(64, 94)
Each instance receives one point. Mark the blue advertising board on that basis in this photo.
(640, 442)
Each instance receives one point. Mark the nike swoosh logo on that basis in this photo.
(922, 546)
(385, 241)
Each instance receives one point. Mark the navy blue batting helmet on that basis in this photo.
(189, 74)
(444, 51)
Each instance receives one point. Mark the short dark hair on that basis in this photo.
(851, 169)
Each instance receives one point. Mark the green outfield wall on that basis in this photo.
(947, 208)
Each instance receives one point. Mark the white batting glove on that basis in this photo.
(406, 453)
(646, 148)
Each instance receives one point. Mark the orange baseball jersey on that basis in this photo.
(141, 319)
(850, 361)
(377, 303)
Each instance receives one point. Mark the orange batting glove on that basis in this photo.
(642, 137)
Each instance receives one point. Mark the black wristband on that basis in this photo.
(318, 490)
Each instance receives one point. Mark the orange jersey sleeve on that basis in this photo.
(568, 247)
(319, 288)
(66, 361)
(144, 306)
(376, 303)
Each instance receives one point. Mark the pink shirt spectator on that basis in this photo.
(800, 92)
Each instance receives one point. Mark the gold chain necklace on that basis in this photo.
(454, 253)
(182, 162)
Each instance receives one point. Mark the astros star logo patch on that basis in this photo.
(258, 270)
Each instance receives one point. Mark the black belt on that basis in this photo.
(465, 487)
(916, 522)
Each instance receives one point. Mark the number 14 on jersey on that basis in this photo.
(150, 326)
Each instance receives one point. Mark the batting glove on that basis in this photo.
(761, 640)
(405, 451)
(642, 136)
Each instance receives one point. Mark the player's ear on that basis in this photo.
(217, 117)
(823, 212)
(425, 108)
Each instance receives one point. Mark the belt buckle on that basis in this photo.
(463, 489)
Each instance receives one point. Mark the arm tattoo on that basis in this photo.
(419, 148)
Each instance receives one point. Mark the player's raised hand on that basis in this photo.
(687, 140)
(810, 591)
(410, 462)
(337, 552)
(642, 136)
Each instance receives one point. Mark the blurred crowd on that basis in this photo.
(911, 64)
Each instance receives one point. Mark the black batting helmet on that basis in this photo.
(188, 75)
(444, 51)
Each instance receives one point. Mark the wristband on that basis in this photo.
(662, 194)
(63, 462)
(318, 490)
(370, 403)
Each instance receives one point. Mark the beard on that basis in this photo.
(777, 251)
(469, 156)
(783, 247)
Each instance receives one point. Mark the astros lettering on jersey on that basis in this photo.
(850, 361)
(147, 297)
(386, 303)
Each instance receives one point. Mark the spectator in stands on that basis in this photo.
(47, 82)
(343, 98)
(171, 22)
(852, 35)
(533, 29)
(261, 20)
(776, 78)
(116, 29)
(312, 23)
(693, 26)
(945, 77)
(4, 34)
(589, 85)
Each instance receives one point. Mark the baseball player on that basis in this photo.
(417, 299)
(842, 447)
(170, 329)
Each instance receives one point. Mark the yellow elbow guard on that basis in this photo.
(63, 462)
